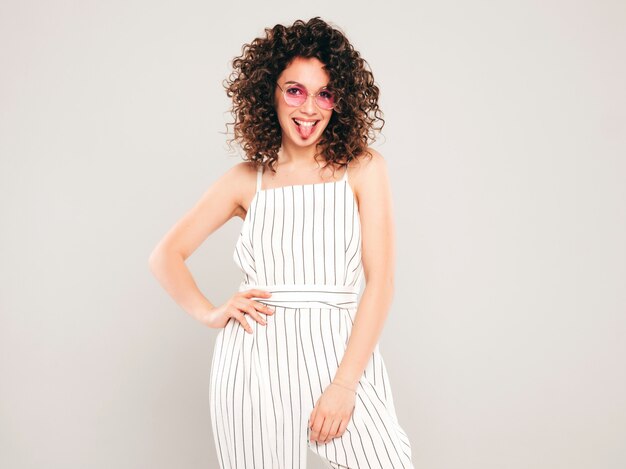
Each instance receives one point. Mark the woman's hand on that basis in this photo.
(236, 307)
(331, 413)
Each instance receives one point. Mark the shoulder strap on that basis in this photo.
(258, 178)
(345, 174)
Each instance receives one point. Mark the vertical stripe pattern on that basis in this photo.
(303, 243)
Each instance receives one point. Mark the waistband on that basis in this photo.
(307, 296)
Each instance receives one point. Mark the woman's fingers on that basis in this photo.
(250, 308)
(243, 306)
(239, 316)
(316, 428)
(334, 430)
(256, 292)
(257, 304)
(266, 309)
(343, 426)
(330, 429)
(325, 433)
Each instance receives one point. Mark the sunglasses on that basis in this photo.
(296, 95)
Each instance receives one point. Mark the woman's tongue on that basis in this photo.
(304, 130)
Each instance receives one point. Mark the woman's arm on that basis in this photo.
(378, 257)
(217, 205)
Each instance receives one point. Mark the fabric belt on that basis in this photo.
(307, 296)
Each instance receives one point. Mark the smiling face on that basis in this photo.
(309, 73)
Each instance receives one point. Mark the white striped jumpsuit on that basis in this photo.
(302, 243)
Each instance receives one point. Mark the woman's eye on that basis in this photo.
(326, 94)
(294, 90)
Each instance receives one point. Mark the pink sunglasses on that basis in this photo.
(295, 95)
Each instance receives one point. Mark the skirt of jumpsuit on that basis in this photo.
(303, 244)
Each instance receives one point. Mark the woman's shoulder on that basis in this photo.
(243, 168)
(242, 179)
(365, 168)
(241, 174)
(367, 160)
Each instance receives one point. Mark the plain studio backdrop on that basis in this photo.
(505, 137)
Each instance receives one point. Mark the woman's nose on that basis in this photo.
(309, 104)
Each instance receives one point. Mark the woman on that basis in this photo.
(296, 362)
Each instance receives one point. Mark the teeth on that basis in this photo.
(306, 124)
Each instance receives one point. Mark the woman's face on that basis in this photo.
(308, 72)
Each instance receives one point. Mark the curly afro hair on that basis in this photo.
(252, 84)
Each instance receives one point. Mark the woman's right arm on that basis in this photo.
(217, 205)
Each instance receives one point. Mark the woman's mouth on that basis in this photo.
(305, 128)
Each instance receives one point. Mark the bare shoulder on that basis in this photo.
(241, 171)
(227, 196)
(240, 182)
(219, 203)
(367, 171)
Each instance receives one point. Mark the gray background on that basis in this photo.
(506, 143)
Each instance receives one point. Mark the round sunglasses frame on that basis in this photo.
(314, 95)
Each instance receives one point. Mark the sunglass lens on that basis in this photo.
(326, 100)
(295, 95)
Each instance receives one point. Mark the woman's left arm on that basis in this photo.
(331, 414)
(378, 257)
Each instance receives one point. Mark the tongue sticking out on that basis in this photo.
(304, 130)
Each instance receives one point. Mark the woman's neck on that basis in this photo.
(293, 157)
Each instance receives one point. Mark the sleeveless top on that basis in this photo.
(302, 235)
